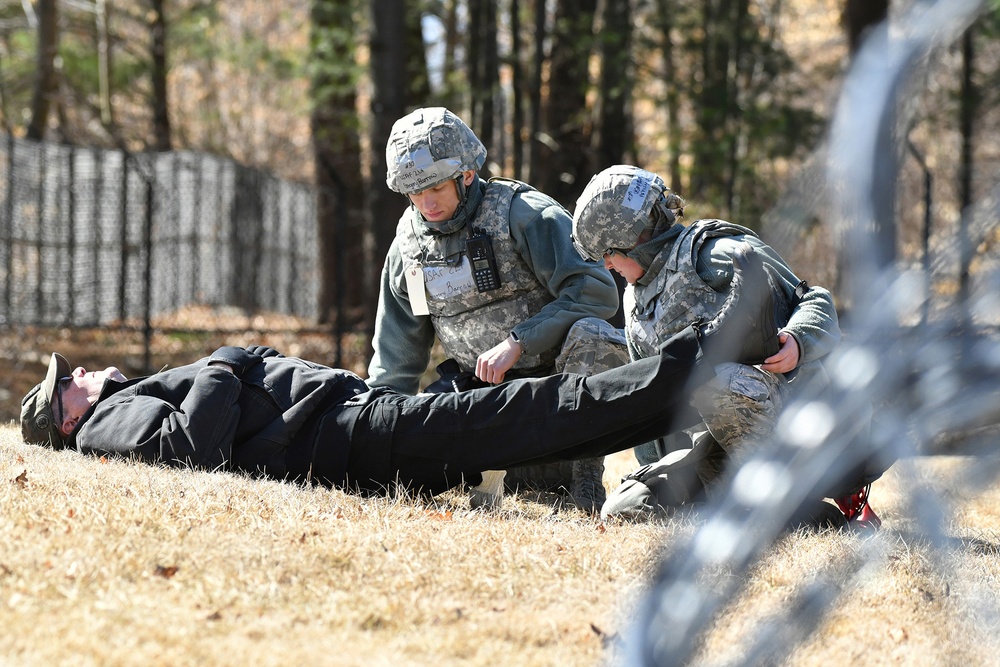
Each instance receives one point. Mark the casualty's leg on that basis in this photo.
(566, 416)
(592, 346)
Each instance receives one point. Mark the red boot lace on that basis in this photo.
(857, 510)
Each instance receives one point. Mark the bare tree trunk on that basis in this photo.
(473, 69)
(103, 61)
(713, 90)
(389, 97)
(614, 136)
(419, 87)
(564, 160)
(46, 77)
(336, 144)
(674, 135)
(535, 94)
(161, 117)
(969, 101)
(491, 88)
(517, 74)
(734, 121)
(859, 16)
(483, 73)
(451, 41)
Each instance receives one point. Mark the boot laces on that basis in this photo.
(856, 508)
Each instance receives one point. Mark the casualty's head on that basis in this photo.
(38, 421)
(432, 157)
(53, 408)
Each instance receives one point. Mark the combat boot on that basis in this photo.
(858, 511)
(745, 330)
(489, 493)
(587, 486)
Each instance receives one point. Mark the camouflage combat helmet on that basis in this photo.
(430, 146)
(614, 208)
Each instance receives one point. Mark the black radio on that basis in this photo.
(484, 262)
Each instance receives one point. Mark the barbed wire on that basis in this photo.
(926, 379)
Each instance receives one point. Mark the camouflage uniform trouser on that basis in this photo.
(740, 404)
(591, 346)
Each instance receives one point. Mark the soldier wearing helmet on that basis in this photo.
(628, 219)
(488, 269)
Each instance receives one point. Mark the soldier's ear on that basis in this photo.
(467, 177)
(68, 424)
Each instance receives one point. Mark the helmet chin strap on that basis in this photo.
(468, 201)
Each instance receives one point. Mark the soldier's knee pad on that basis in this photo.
(592, 346)
(740, 402)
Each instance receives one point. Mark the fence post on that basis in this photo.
(198, 179)
(70, 316)
(123, 249)
(40, 226)
(98, 157)
(9, 226)
(147, 296)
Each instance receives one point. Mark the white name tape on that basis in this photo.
(635, 196)
(445, 282)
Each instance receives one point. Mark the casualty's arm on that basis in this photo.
(198, 432)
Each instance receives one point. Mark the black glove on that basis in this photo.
(453, 378)
(264, 351)
(237, 358)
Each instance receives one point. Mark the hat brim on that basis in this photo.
(59, 367)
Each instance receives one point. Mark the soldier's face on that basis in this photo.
(81, 390)
(440, 202)
(628, 268)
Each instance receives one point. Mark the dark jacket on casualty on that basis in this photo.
(267, 423)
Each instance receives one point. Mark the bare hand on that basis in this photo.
(494, 363)
(787, 357)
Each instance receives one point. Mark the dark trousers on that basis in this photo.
(432, 442)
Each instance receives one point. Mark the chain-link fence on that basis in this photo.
(94, 237)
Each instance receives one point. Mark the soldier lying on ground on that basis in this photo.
(256, 411)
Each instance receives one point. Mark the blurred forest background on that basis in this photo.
(728, 99)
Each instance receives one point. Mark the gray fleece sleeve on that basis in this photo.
(402, 340)
(540, 230)
(814, 322)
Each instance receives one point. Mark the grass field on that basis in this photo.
(108, 562)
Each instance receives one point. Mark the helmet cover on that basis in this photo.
(430, 146)
(614, 209)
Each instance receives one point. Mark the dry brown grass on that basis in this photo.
(111, 562)
(107, 562)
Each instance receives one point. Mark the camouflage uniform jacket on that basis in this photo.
(687, 281)
(544, 288)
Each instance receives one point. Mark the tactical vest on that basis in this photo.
(469, 322)
(677, 296)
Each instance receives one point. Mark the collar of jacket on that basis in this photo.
(650, 254)
(465, 211)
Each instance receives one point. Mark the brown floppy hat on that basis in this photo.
(38, 424)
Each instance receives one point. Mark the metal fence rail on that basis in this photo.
(95, 237)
